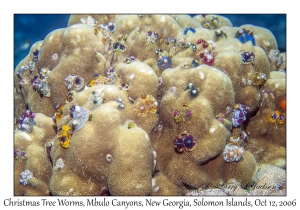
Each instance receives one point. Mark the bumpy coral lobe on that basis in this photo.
(26, 94)
(270, 176)
(78, 50)
(248, 95)
(96, 145)
(268, 133)
(36, 157)
(209, 133)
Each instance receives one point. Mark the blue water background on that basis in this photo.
(30, 28)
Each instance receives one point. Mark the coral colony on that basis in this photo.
(131, 103)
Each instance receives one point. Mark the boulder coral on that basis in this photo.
(148, 105)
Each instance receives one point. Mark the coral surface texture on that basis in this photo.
(151, 105)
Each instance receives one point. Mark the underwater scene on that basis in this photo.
(141, 104)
